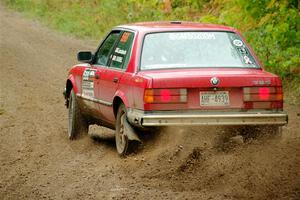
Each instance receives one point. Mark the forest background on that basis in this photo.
(270, 26)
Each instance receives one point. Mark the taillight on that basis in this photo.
(264, 93)
(263, 97)
(165, 96)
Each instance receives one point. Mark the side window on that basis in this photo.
(120, 56)
(103, 53)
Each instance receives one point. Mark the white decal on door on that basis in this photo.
(88, 83)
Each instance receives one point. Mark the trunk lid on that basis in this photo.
(196, 78)
(200, 88)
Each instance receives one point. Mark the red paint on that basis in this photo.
(131, 84)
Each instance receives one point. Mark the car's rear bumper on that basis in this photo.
(181, 118)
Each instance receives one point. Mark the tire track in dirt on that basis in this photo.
(39, 162)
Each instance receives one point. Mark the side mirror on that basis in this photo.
(85, 56)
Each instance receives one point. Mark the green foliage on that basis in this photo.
(270, 26)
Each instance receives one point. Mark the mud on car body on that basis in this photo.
(155, 74)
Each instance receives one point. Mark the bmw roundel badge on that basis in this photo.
(214, 81)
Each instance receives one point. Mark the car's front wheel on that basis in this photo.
(77, 123)
(123, 144)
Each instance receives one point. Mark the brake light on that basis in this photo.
(165, 96)
(263, 97)
(264, 93)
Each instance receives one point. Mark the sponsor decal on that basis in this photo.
(88, 83)
(192, 36)
(125, 37)
(243, 50)
(238, 43)
(247, 60)
(120, 51)
(117, 58)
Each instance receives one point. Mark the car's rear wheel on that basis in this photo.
(77, 123)
(123, 144)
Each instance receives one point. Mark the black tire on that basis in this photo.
(123, 144)
(77, 123)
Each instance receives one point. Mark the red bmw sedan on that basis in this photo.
(155, 74)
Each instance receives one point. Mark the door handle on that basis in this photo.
(115, 80)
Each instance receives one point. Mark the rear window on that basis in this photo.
(195, 50)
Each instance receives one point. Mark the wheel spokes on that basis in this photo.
(121, 132)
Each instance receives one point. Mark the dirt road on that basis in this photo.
(37, 161)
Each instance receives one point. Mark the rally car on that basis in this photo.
(154, 74)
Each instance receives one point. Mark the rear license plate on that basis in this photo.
(218, 98)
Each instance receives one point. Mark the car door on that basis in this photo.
(100, 64)
(112, 76)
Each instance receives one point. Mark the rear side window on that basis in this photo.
(104, 51)
(120, 56)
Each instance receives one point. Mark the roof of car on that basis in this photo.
(174, 25)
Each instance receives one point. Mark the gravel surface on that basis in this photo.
(37, 161)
